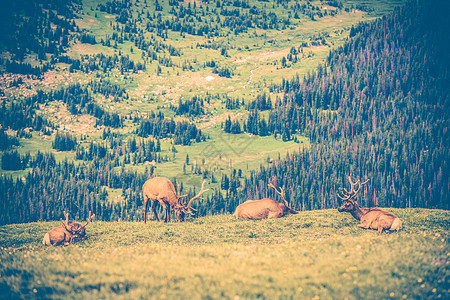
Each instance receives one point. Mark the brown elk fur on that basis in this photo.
(60, 236)
(370, 218)
(264, 209)
(66, 233)
(161, 190)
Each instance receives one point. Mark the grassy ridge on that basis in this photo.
(313, 254)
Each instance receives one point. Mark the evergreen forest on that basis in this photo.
(371, 100)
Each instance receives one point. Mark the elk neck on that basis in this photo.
(357, 213)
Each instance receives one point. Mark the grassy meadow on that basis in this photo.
(313, 255)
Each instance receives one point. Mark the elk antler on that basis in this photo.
(66, 223)
(352, 193)
(88, 219)
(179, 193)
(279, 193)
(188, 206)
(360, 185)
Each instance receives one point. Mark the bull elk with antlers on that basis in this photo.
(66, 233)
(161, 190)
(265, 208)
(370, 218)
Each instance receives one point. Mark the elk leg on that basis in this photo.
(154, 209)
(363, 225)
(145, 208)
(274, 214)
(167, 215)
(383, 225)
(59, 241)
(165, 211)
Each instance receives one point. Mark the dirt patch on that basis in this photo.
(170, 88)
(329, 8)
(217, 119)
(264, 55)
(194, 79)
(51, 80)
(87, 22)
(197, 2)
(315, 48)
(57, 113)
(168, 93)
(82, 49)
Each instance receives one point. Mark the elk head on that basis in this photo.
(289, 210)
(182, 209)
(349, 197)
(76, 229)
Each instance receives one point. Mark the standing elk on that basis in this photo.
(66, 233)
(160, 189)
(265, 208)
(370, 218)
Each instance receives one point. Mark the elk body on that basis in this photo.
(265, 208)
(161, 190)
(370, 218)
(66, 233)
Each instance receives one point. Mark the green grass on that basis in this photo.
(219, 155)
(313, 254)
(226, 151)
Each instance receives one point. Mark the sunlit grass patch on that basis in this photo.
(224, 151)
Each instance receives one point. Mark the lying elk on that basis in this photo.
(160, 189)
(265, 208)
(370, 218)
(66, 233)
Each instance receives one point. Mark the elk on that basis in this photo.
(66, 233)
(265, 208)
(161, 190)
(370, 218)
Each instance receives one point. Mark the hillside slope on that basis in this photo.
(313, 254)
(377, 108)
